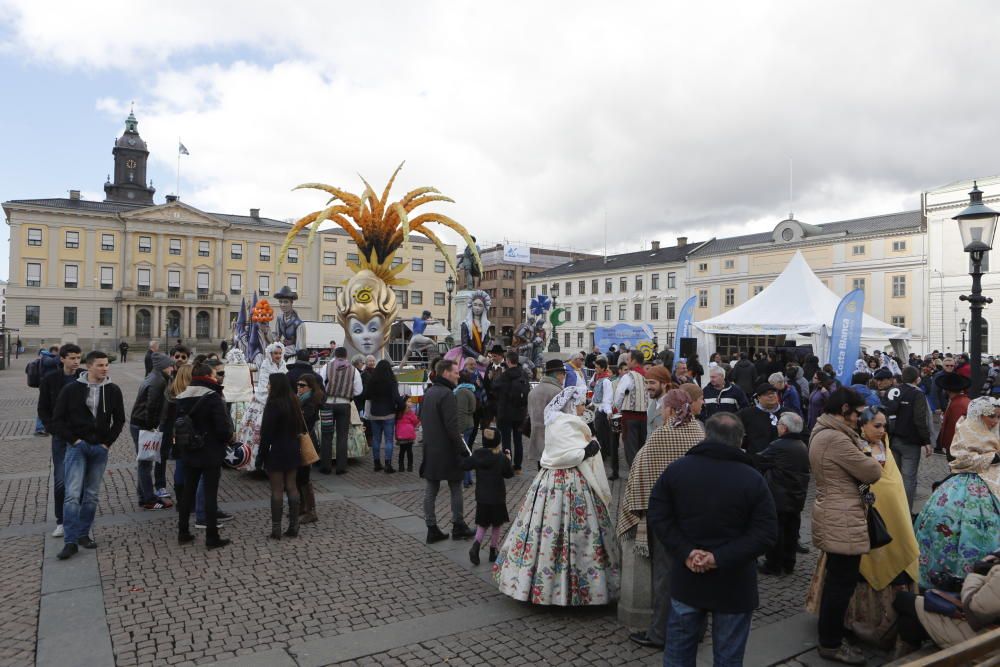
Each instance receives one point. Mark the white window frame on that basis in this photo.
(36, 280)
(899, 287)
(671, 280)
(107, 246)
(899, 246)
(858, 249)
(175, 246)
(76, 276)
(703, 298)
(236, 286)
(139, 284)
(204, 248)
(74, 242)
(145, 244)
(107, 272)
(204, 285)
(174, 280)
(34, 236)
(263, 285)
(293, 255)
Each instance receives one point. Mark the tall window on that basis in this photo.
(32, 315)
(638, 283)
(730, 296)
(534, 291)
(566, 339)
(898, 286)
(236, 251)
(143, 323)
(265, 253)
(703, 298)
(416, 297)
(104, 317)
(607, 313)
(329, 258)
(72, 239)
(439, 266)
(235, 283)
(202, 282)
(593, 313)
(671, 310)
(107, 277)
(568, 289)
(581, 287)
(145, 245)
(637, 311)
(417, 264)
(107, 242)
(568, 313)
(33, 276)
(654, 310)
(175, 246)
(143, 279)
(69, 316)
(858, 283)
(402, 297)
(72, 276)
(293, 255)
(264, 285)
(174, 281)
(607, 285)
(654, 281)
(293, 283)
(621, 312)
(593, 286)
(329, 293)
(581, 313)
(671, 280)
(579, 339)
(34, 236)
(623, 285)
(203, 249)
(438, 298)
(202, 324)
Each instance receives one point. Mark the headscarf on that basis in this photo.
(267, 367)
(861, 366)
(235, 357)
(975, 445)
(890, 363)
(679, 401)
(563, 403)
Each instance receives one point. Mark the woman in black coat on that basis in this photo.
(311, 397)
(382, 401)
(281, 425)
(202, 403)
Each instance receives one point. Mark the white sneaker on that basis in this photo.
(58, 532)
(162, 493)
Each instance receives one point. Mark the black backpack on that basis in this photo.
(517, 394)
(34, 372)
(186, 437)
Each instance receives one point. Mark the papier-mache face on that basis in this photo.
(367, 307)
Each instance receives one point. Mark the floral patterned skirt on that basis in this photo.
(248, 434)
(560, 549)
(959, 524)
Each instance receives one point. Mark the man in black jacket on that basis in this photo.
(511, 390)
(785, 465)
(909, 428)
(146, 412)
(760, 420)
(744, 374)
(444, 451)
(89, 416)
(48, 393)
(154, 347)
(301, 367)
(720, 395)
(203, 404)
(715, 515)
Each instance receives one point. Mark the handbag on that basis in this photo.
(149, 446)
(307, 450)
(878, 534)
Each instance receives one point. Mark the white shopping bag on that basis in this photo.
(149, 446)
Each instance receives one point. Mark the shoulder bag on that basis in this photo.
(878, 534)
(307, 450)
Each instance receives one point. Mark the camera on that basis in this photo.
(945, 581)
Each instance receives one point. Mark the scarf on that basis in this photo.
(880, 566)
(566, 436)
(470, 387)
(664, 446)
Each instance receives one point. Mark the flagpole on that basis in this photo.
(178, 167)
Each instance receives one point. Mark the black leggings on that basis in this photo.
(838, 587)
(284, 482)
(405, 451)
(910, 629)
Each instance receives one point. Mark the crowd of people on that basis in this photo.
(719, 463)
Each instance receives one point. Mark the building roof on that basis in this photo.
(876, 224)
(664, 255)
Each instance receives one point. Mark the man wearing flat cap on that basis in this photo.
(760, 420)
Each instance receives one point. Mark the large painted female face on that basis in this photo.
(478, 307)
(366, 336)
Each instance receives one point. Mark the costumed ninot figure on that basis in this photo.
(288, 324)
(475, 332)
(367, 306)
(529, 341)
(420, 343)
(248, 432)
(469, 263)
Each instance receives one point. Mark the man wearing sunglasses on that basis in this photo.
(180, 355)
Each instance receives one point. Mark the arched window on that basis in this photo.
(143, 324)
(202, 323)
(173, 324)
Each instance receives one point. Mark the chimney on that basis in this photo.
(656, 245)
(171, 199)
(255, 213)
(74, 194)
(682, 241)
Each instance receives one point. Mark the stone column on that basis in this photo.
(128, 321)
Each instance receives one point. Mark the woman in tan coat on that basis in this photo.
(840, 461)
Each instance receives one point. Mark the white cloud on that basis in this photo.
(540, 119)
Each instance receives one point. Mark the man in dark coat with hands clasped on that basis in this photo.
(444, 450)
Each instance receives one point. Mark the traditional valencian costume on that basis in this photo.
(248, 432)
(561, 547)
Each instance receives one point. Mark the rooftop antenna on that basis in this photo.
(791, 215)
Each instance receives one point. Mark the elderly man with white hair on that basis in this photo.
(789, 394)
(722, 396)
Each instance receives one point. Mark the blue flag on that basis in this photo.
(845, 338)
(253, 344)
(682, 326)
(240, 326)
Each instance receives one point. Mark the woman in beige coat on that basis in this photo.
(840, 461)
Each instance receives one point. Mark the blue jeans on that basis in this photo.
(383, 429)
(58, 476)
(685, 626)
(84, 472)
(199, 498)
(144, 472)
(39, 426)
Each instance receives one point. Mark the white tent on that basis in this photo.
(796, 303)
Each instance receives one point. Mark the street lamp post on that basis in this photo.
(450, 286)
(554, 343)
(963, 327)
(978, 224)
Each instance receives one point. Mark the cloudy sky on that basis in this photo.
(542, 120)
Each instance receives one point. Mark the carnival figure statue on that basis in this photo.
(529, 341)
(470, 264)
(475, 331)
(420, 343)
(366, 308)
(288, 324)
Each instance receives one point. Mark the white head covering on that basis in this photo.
(861, 367)
(235, 357)
(984, 405)
(267, 367)
(563, 403)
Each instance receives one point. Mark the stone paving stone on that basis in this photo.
(20, 597)
(23, 501)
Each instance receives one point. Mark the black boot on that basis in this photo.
(388, 466)
(461, 531)
(474, 553)
(434, 534)
(293, 518)
(184, 537)
(401, 468)
(275, 519)
(179, 495)
(378, 465)
(493, 554)
(212, 539)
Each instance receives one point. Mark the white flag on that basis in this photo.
(182, 149)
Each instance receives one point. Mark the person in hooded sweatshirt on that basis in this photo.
(89, 416)
(203, 404)
(146, 412)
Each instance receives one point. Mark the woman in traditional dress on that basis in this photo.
(249, 430)
(886, 570)
(561, 548)
(960, 523)
(475, 330)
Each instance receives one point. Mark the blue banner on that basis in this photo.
(845, 338)
(682, 326)
(629, 334)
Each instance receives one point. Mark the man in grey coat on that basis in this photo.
(444, 450)
(538, 398)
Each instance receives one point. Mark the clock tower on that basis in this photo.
(129, 182)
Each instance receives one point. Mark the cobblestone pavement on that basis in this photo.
(363, 568)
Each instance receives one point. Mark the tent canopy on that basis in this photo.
(797, 302)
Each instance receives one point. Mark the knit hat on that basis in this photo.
(491, 437)
(660, 374)
(161, 362)
(883, 374)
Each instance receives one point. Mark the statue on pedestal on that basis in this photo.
(470, 264)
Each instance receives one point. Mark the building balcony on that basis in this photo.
(150, 296)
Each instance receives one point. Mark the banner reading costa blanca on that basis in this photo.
(518, 254)
(629, 334)
(845, 339)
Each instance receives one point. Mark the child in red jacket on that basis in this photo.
(407, 422)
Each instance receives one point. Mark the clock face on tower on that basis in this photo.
(130, 164)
